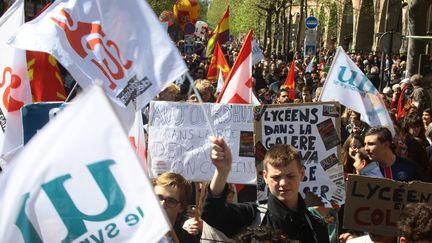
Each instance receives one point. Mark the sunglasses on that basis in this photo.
(168, 201)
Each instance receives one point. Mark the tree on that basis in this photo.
(247, 16)
(417, 27)
(298, 46)
(216, 11)
(159, 6)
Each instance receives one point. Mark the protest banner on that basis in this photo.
(374, 204)
(201, 29)
(347, 84)
(178, 139)
(257, 53)
(79, 180)
(14, 86)
(312, 129)
(119, 43)
(37, 115)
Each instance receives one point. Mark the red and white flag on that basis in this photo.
(14, 85)
(138, 141)
(120, 43)
(237, 88)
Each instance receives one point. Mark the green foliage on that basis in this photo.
(216, 11)
(159, 6)
(247, 17)
(244, 14)
(333, 21)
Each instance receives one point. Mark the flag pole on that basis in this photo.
(192, 83)
(331, 68)
(71, 92)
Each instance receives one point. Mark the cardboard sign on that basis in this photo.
(178, 139)
(312, 128)
(374, 204)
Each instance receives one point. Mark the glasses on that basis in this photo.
(168, 201)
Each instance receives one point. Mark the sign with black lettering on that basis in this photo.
(374, 204)
(178, 139)
(312, 128)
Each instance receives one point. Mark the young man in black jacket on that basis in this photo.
(285, 210)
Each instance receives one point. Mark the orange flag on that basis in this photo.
(289, 82)
(45, 79)
(218, 61)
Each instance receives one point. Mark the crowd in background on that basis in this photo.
(407, 100)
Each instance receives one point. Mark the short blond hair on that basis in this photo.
(174, 88)
(282, 155)
(171, 179)
(203, 84)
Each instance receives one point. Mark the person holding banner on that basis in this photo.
(285, 209)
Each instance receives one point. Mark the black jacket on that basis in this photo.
(231, 219)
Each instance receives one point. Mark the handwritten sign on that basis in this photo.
(374, 204)
(178, 139)
(312, 129)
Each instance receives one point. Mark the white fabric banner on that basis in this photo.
(178, 139)
(257, 53)
(14, 84)
(120, 43)
(347, 84)
(137, 139)
(310, 65)
(79, 180)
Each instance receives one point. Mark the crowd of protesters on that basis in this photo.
(368, 151)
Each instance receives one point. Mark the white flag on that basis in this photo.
(79, 180)
(14, 84)
(121, 43)
(138, 141)
(220, 81)
(257, 53)
(347, 84)
(310, 65)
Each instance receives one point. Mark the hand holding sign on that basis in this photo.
(220, 154)
(222, 159)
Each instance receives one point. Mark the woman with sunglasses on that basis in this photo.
(174, 192)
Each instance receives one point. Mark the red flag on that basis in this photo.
(218, 61)
(237, 88)
(289, 82)
(44, 75)
(400, 110)
(45, 79)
